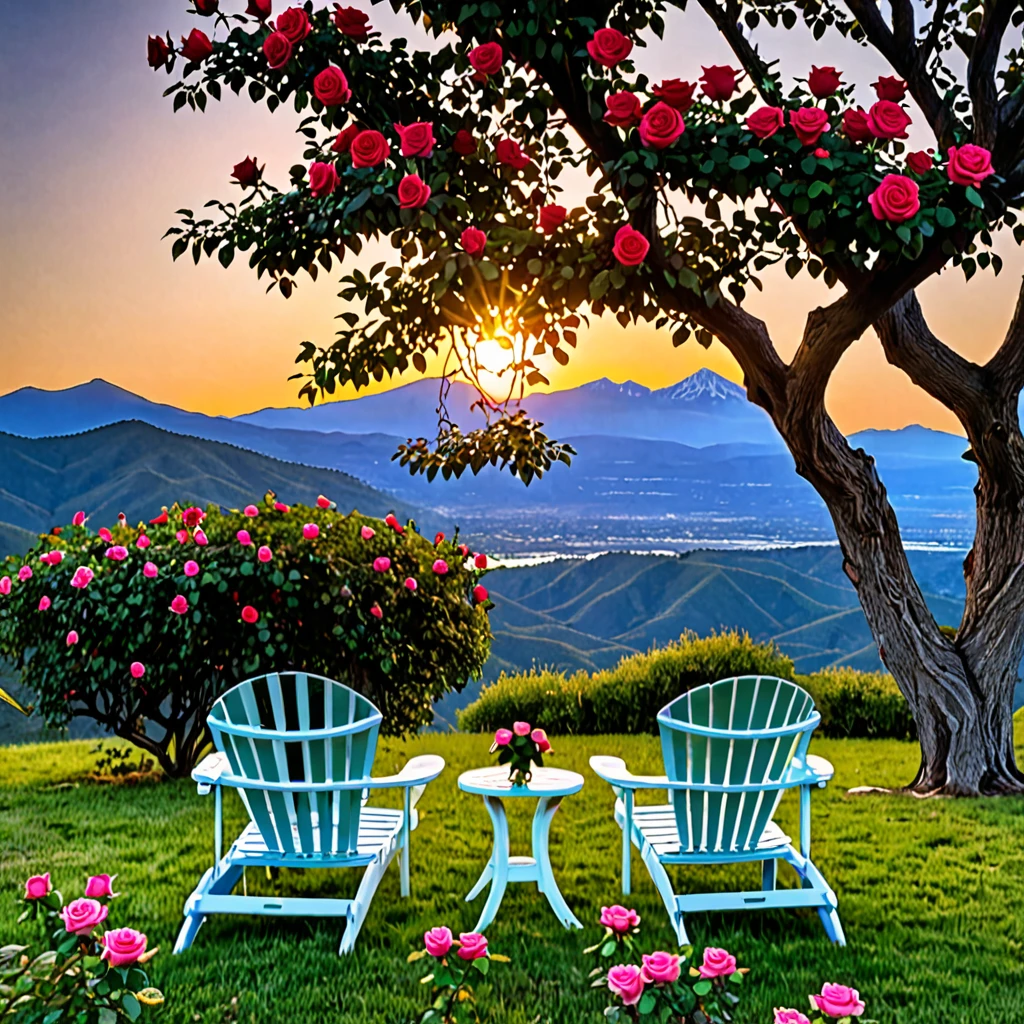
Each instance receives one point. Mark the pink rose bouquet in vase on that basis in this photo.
(522, 749)
(454, 964)
(88, 970)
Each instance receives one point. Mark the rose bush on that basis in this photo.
(261, 591)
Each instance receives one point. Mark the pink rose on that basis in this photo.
(783, 1016)
(38, 886)
(661, 126)
(486, 59)
(839, 1001)
(294, 23)
(83, 577)
(105, 534)
(888, 87)
(71, 639)
(855, 125)
(472, 946)
(322, 502)
(622, 109)
(323, 179)
(143, 542)
(823, 82)
(191, 568)
(540, 737)
(381, 564)
(627, 982)
(438, 941)
(250, 614)
(331, 86)
(718, 81)
(138, 670)
(440, 567)
(5, 585)
(200, 538)
(192, 517)
(197, 47)
(630, 247)
(480, 594)
(25, 572)
(243, 538)
(809, 124)
(675, 93)
(149, 570)
(609, 46)
(376, 611)
(410, 584)
(351, 22)
(369, 148)
(44, 603)
(98, 887)
(660, 968)
(416, 139)
(619, 919)
(413, 192)
(717, 963)
(503, 737)
(122, 946)
(895, 199)
(969, 165)
(78, 519)
(182, 536)
(311, 531)
(521, 728)
(888, 120)
(264, 554)
(473, 241)
(251, 511)
(179, 605)
(367, 533)
(765, 121)
(82, 915)
(510, 153)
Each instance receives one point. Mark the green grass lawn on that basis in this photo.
(931, 894)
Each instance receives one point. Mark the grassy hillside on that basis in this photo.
(929, 895)
(135, 468)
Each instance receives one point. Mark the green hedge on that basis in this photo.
(627, 698)
(624, 699)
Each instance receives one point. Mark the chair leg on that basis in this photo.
(217, 881)
(659, 876)
(812, 878)
(769, 874)
(364, 897)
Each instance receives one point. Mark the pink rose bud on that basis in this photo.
(56, 557)
(472, 946)
(98, 887)
(410, 584)
(503, 737)
(138, 670)
(118, 552)
(38, 886)
(323, 502)
(179, 605)
(122, 946)
(718, 963)
(44, 603)
(105, 534)
(376, 612)
(440, 567)
(280, 506)
(367, 533)
(311, 531)
(82, 915)
(143, 542)
(78, 519)
(200, 538)
(5, 585)
(381, 564)
(438, 941)
(480, 561)
(191, 568)
(251, 511)
(25, 573)
(243, 538)
(521, 728)
(620, 919)
(72, 638)
(249, 614)
(182, 536)
(264, 554)
(149, 570)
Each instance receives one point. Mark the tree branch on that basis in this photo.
(727, 23)
(981, 79)
(1006, 367)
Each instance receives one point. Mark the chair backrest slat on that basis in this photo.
(301, 728)
(735, 732)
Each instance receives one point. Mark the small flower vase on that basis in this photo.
(521, 748)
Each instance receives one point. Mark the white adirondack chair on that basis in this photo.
(298, 750)
(731, 749)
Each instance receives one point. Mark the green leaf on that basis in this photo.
(488, 270)
(739, 162)
(226, 254)
(945, 216)
(702, 987)
(646, 1004)
(131, 1005)
(974, 198)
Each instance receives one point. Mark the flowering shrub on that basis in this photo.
(452, 997)
(90, 973)
(521, 748)
(142, 627)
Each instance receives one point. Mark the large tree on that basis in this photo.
(454, 155)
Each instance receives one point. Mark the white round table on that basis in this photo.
(548, 786)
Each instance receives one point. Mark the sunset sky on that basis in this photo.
(93, 165)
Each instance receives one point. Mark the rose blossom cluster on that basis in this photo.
(836, 1001)
(439, 941)
(503, 737)
(628, 981)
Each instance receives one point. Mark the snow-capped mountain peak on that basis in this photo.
(705, 385)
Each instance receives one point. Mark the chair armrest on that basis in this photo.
(415, 774)
(614, 771)
(812, 771)
(208, 772)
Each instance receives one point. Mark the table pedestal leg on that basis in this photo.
(497, 867)
(546, 808)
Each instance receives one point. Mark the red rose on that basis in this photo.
(157, 51)
(343, 143)
(417, 139)
(464, 144)
(630, 247)
(323, 179)
(823, 82)
(277, 48)
(895, 199)
(621, 109)
(473, 241)
(369, 148)
(197, 47)
(969, 165)
(191, 517)
(486, 59)
(480, 593)
(551, 219)
(888, 120)
(206, 8)
(509, 152)
(609, 46)
(331, 87)
(765, 121)
(675, 93)
(259, 9)
(294, 23)
(718, 81)
(809, 124)
(822, 154)
(351, 22)
(249, 614)
(247, 173)
(855, 125)
(890, 88)
(661, 126)
(920, 162)
(413, 192)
